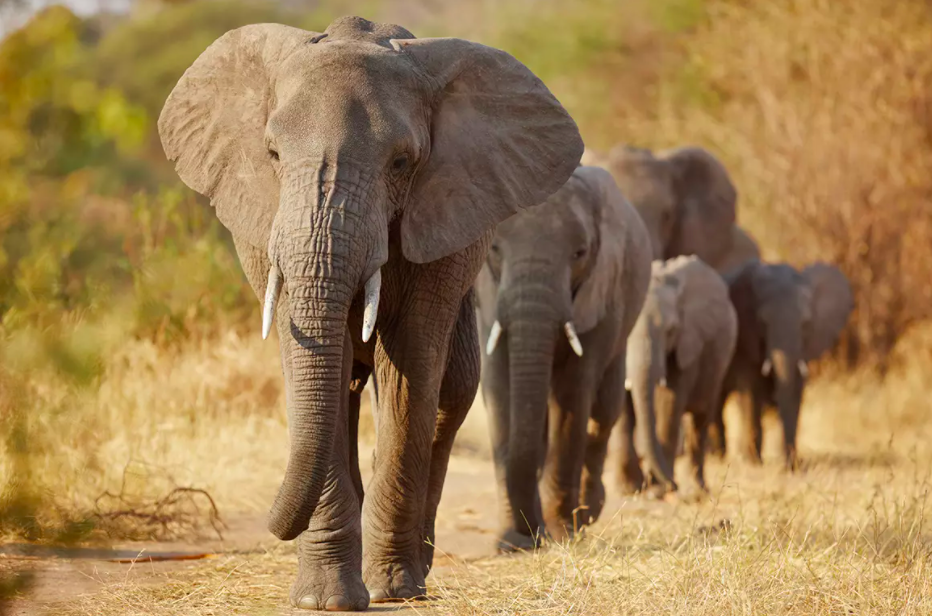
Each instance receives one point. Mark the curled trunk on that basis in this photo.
(321, 281)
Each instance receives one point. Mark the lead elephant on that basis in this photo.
(687, 201)
(682, 344)
(786, 318)
(360, 172)
(561, 290)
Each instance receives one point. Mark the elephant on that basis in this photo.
(786, 318)
(361, 172)
(687, 201)
(558, 295)
(682, 343)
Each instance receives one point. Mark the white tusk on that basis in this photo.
(272, 289)
(765, 369)
(494, 334)
(628, 384)
(803, 368)
(573, 338)
(371, 312)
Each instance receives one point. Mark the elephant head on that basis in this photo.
(787, 318)
(684, 196)
(318, 148)
(554, 272)
(687, 306)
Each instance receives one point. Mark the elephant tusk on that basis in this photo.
(803, 368)
(573, 338)
(767, 367)
(371, 312)
(628, 384)
(272, 290)
(494, 334)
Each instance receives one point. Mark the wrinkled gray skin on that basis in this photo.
(786, 318)
(687, 201)
(331, 158)
(583, 256)
(678, 353)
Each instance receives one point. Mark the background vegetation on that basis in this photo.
(129, 360)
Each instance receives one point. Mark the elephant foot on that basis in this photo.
(693, 493)
(512, 541)
(334, 591)
(657, 491)
(396, 583)
(630, 481)
(593, 498)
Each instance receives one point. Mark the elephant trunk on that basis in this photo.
(322, 272)
(787, 396)
(646, 365)
(532, 325)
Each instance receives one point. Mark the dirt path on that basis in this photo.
(465, 530)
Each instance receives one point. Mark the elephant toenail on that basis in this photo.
(308, 602)
(379, 595)
(338, 603)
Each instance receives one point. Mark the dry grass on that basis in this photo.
(848, 535)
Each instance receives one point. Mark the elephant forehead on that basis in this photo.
(352, 88)
(561, 216)
(350, 65)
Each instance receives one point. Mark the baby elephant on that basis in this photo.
(678, 355)
(558, 296)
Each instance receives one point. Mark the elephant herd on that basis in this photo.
(394, 202)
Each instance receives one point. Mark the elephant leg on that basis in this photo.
(695, 429)
(457, 393)
(410, 359)
(716, 442)
(630, 477)
(330, 550)
(608, 407)
(360, 375)
(568, 420)
(751, 409)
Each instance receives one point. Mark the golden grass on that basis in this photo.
(848, 535)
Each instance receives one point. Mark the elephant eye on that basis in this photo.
(579, 254)
(400, 163)
(273, 153)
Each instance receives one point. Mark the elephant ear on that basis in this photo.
(703, 307)
(595, 295)
(213, 126)
(832, 303)
(706, 200)
(500, 142)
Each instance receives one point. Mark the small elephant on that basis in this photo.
(682, 343)
(558, 296)
(361, 172)
(786, 318)
(687, 201)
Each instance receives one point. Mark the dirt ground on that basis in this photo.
(466, 528)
